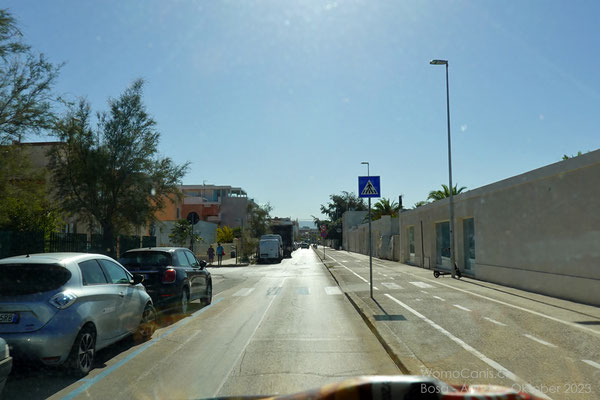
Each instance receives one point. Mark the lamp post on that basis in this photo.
(452, 253)
(370, 238)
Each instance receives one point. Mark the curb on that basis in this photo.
(412, 365)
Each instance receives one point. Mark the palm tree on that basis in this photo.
(436, 195)
(385, 207)
(420, 203)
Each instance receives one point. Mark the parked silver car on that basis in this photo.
(62, 307)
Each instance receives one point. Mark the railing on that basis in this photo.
(20, 243)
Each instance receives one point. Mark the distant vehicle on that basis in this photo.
(5, 363)
(284, 228)
(60, 308)
(304, 245)
(315, 246)
(172, 276)
(269, 250)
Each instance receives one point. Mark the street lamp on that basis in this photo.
(452, 254)
(370, 238)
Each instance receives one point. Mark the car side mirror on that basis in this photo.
(137, 278)
(202, 264)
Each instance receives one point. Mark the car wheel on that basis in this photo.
(207, 299)
(184, 302)
(147, 323)
(82, 354)
(436, 274)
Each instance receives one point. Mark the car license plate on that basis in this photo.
(8, 318)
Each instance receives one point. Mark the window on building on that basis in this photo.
(469, 242)
(178, 213)
(411, 240)
(442, 231)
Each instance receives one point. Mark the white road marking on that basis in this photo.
(539, 314)
(439, 298)
(461, 307)
(360, 277)
(539, 340)
(472, 350)
(247, 343)
(330, 290)
(422, 291)
(391, 285)
(384, 275)
(592, 363)
(422, 285)
(392, 278)
(494, 321)
(243, 292)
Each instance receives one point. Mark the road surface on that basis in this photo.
(468, 331)
(272, 329)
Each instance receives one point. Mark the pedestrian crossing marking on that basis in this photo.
(391, 285)
(243, 292)
(302, 290)
(369, 189)
(331, 290)
(422, 285)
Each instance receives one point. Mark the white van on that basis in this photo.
(269, 250)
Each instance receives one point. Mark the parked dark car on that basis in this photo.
(172, 276)
(5, 363)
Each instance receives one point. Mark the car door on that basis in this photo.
(199, 275)
(101, 298)
(129, 307)
(184, 263)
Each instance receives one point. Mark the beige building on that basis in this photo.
(538, 231)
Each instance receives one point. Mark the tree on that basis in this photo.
(112, 175)
(436, 195)
(26, 80)
(181, 233)
(385, 207)
(566, 157)
(25, 204)
(335, 209)
(420, 204)
(259, 218)
(224, 234)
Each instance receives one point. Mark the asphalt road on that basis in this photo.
(271, 329)
(468, 331)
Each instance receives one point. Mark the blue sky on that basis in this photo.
(286, 98)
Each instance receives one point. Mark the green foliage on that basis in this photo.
(436, 195)
(335, 209)
(181, 233)
(566, 157)
(25, 205)
(113, 175)
(385, 207)
(224, 234)
(26, 81)
(259, 219)
(420, 203)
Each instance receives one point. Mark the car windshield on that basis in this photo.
(146, 259)
(270, 196)
(23, 279)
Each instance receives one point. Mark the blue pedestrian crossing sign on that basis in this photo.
(368, 186)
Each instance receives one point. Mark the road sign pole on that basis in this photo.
(370, 251)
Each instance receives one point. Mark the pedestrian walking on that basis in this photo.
(211, 254)
(220, 253)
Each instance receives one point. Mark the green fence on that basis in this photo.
(20, 243)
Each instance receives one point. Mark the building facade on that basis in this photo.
(538, 231)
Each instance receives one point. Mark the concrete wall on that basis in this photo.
(539, 231)
(384, 234)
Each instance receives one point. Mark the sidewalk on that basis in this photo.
(229, 262)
